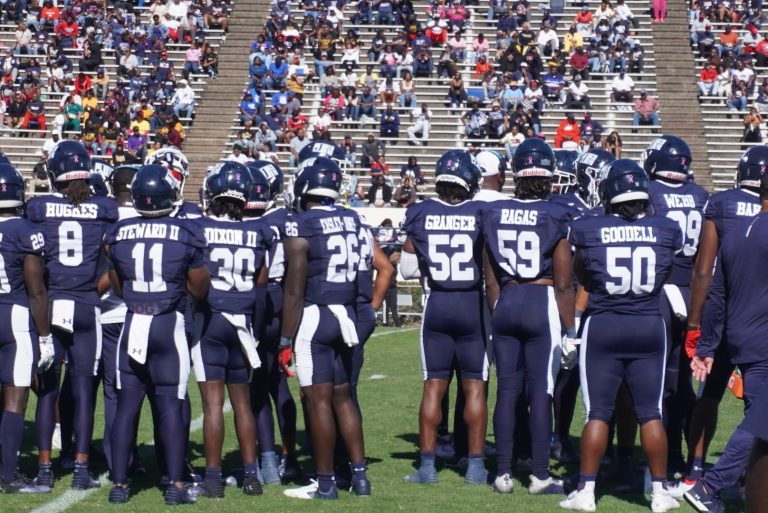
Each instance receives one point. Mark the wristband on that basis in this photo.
(48, 339)
(692, 327)
(285, 342)
(570, 332)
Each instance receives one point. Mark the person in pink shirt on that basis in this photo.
(480, 46)
(192, 63)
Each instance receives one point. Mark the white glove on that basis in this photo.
(47, 353)
(569, 356)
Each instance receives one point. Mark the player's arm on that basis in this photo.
(198, 282)
(296, 265)
(409, 263)
(562, 262)
(260, 290)
(702, 272)
(492, 289)
(37, 293)
(384, 273)
(103, 283)
(712, 329)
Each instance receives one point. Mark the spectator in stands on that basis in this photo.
(729, 40)
(567, 131)
(752, 123)
(23, 38)
(412, 170)
(258, 70)
(579, 62)
(646, 111)
(362, 14)
(584, 20)
(659, 10)
(35, 114)
(458, 45)
(277, 74)
(589, 127)
(380, 193)
(379, 167)
(101, 84)
(217, 16)
(554, 85)
(335, 104)
(405, 195)
(547, 40)
(73, 113)
(707, 81)
(245, 140)
(296, 145)
(295, 122)
(418, 133)
(350, 152)
(210, 62)
(366, 105)
(188, 26)
(266, 138)
(577, 95)
(737, 100)
(605, 11)
(388, 62)
(372, 150)
(613, 144)
(744, 73)
(183, 100)
(321, 126)
(49, 16)
(82, 84)
(625, 14)
(511, 139)
(457, 95)
(92, 58)
(475, 122)
(481, 46)
(572, 40)
(193, 56)
(128, 63)
(136, 144)
(407, 91)
(423, 65)
(110, 134)
(389, 124)
(249, 109)
(622, 88)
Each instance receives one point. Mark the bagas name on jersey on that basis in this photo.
(232, 237)
(680, 200)
(747, 209)
(148, 231)
(458, 223)
(338, 225)
(611, 234)
(515, 216)
(82, 211)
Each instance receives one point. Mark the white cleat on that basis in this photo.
(548, 486)
(677, 490)
(663, 501)
(503, 484)
(302, 493)
(580, 500)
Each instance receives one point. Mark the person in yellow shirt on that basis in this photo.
(146, 109)
(140, 122)
(572, 40)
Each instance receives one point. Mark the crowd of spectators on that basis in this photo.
(731, 51)
(68, 48)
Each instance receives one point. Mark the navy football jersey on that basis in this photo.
(365, 269)
(738, 294)
(448, 242)
(727, 208)
(521, 237)
(684, 204)
(334, 253)
(73, 242)
(18, 238)
(625, 263)
(574, 201)
(152, 257)
(275, 219)
(235, 252)
(188, 210)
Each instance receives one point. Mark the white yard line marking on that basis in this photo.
(392, 332)
(71, 497)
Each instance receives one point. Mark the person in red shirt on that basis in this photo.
(49, 15)
(580, 63)
(67, 30)
(82, 84)
(708, 80)
(297, 121)
(761, 52)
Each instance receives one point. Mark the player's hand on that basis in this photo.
(47, 353)
(569, 354)
(285, 357)
(692, 337)
(701, 367)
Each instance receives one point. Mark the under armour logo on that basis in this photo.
(136, 351)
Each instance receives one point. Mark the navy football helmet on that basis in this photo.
(274, 176)
(98, 185)
(153, 191)
(322, 149)
(228, 180)
(11, 187)
(752, 166)
(533, 158)
(623, 180)
(176, 162)
(564, 180)
(589, 167)
(260, 195)
(316, 176)
(4, 159)
(667, 157)
(69, 160)
(459, 167)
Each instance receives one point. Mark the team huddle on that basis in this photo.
(599, 274)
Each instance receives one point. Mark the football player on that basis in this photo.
(493, 168)
(226, 354)
(734, 286)
(322, 248)
(157, 260)
(581, 192)
(667, 160)
(269, 383)
(113, 311)
(73, 222)
(530, 270)
(623, 259)
(178, 165)
(444, 245)
(26, 344)
(723, 211)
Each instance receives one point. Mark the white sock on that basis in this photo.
(658, 487)
(589, 486)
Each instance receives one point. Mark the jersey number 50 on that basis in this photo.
(633, 269)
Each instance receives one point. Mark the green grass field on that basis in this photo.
(390, 392)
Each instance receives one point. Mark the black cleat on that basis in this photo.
(361, 487)
(119, 494)
(21, 484)
(177, 496)
(289, 468)
(209, 489)
(252, 486)
(45, 476)
(82, 479)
